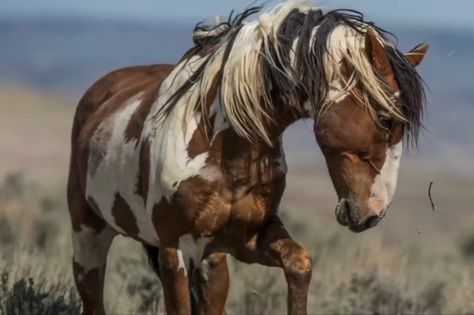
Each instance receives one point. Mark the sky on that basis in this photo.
(454, 13)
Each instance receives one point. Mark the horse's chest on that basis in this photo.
(246, 193)
(256, 188)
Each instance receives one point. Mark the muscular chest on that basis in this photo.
(246, 192)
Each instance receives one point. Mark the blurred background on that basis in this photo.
(51, 51)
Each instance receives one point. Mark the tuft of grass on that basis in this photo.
(466, 244)
(25, 297)
(369, 294)
(142, 283)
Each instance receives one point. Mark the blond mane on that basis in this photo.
(243, 56)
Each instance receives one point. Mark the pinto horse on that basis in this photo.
(188, 159)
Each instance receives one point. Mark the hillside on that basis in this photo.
(34, 134)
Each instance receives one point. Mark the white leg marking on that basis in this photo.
(181, 264)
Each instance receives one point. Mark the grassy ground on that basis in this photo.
(351, 275)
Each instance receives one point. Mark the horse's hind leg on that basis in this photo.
(90, 254)
(91, 239)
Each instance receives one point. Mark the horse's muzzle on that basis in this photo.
(347, 214)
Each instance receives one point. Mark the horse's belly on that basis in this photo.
(114, 193)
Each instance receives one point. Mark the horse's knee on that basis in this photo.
(298, 266)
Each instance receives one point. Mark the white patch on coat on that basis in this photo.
(118, 172)
(385, 183)
(169, 137)
(90, 248)
(210, 173)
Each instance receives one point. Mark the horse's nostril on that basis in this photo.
(372, 221)
(347, 205)
(351, 213)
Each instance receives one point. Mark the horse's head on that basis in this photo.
(362, 137)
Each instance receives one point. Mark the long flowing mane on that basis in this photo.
(299, 51)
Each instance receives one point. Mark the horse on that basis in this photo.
(188, 158)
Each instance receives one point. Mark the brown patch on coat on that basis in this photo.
(124, 217)
(201, 138)
(90, 285)
(206, 204)
(168, 221)
(144, 172)
(135, 125)
(134, 128)
(82, 211)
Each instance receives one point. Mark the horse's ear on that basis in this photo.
(376, 52)
(416, 55)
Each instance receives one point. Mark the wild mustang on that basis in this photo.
(188, 158)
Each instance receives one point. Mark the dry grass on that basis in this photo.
(351, 275)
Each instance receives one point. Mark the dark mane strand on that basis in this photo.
(274, 67)
(413, 96)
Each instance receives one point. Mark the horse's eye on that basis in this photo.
(385, 122)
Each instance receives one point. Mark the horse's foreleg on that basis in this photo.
(273, 246)
(174, 279)
(211, 285)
